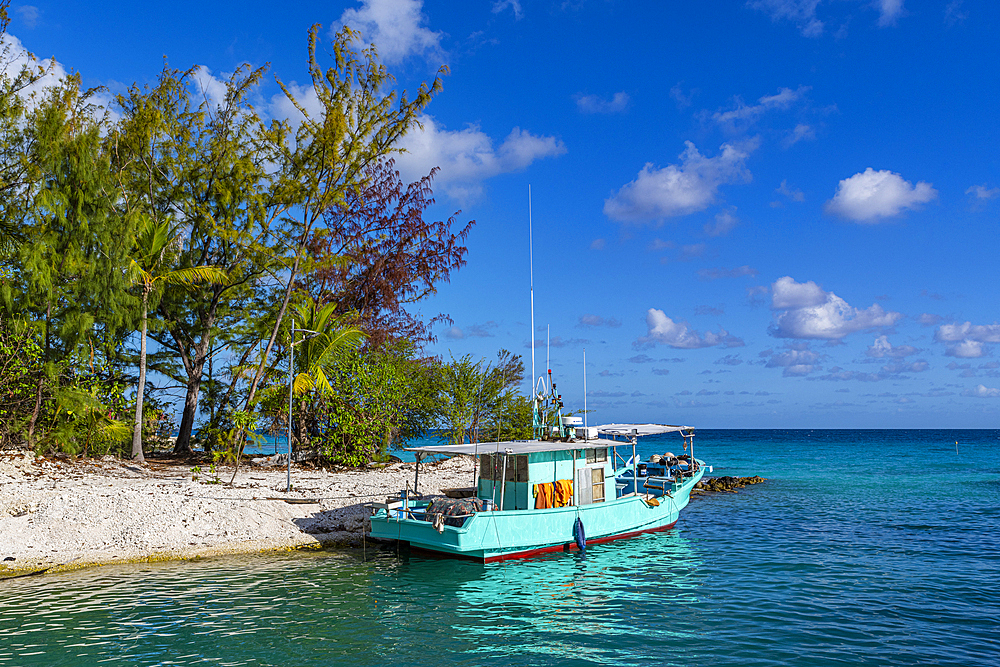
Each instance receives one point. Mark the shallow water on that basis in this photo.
(863, 548)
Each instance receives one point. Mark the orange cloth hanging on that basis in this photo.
(543, 495)
(564, 492)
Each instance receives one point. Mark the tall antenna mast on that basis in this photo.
(531, 287)
(548, 364)
(585, 390)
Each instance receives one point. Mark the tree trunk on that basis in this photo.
(183, 443)
(137, 431)
(36, 410)
(194, 365)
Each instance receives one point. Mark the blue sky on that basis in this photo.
(775, 213)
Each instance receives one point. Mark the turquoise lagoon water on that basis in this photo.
(863, 548)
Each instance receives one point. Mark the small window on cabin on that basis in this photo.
(599, 455)
(486, 466)
(517, 468)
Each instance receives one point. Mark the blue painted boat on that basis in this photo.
(577, 477)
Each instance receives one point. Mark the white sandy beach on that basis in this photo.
(63, 514)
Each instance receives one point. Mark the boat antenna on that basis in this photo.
(531, 288)
(548, 364)
(585, 432)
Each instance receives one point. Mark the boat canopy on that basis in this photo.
(515, 446)
(641, 429)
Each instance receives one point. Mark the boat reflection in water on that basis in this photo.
(568, 605)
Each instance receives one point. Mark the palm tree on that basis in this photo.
(148, 269)
(330, 338)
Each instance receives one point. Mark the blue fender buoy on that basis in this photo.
(580, 535)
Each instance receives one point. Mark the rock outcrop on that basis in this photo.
(730, 484)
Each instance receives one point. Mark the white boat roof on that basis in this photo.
(532, 446)
(516, 446)
(640, 429)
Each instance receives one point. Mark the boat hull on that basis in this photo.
(494, 536)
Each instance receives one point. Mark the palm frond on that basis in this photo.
(194, 275)
(303, 384)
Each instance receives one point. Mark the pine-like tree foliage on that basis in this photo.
(357, 126)
(478, 400)
(209, 165)
(65, 277)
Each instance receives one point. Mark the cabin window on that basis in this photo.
(599, 455)
(517, 468)
(491, 467)
(597, 483)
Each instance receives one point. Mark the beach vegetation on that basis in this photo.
(478, 400)
(178, 232)
(152, 253)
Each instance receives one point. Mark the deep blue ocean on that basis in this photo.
(862, 548)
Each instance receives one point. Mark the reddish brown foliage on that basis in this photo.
(377, 255)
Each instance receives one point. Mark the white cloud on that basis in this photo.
(801, 12)
(788, 294)
(598, 321)
(801, 132)
(929, 319)
(889, 11)
(515, 6)
(984, 333)
(28, 14)
(679, 189)
(597, 244)
(209, 87)
(882, 348)
(967, 339)
(14, 58)
(394, 26)
(983, 192)
(953, 13)
(872, 194)
(744, 115)
(796, 360)
(683, 101)
(692, 251)
(738, 272)
(791, 193)
(966, 349)
(982, 391)
(468, 157)
(455, 332)
(596, 104)
(281, 107)
(809, 312)
(664, 330)
(902, 367)
(725, 221)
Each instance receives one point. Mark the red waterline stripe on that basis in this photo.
(571, 546)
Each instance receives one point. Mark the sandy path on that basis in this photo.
(66, 514)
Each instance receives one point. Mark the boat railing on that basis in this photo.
(661, 484)
(395, 510)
